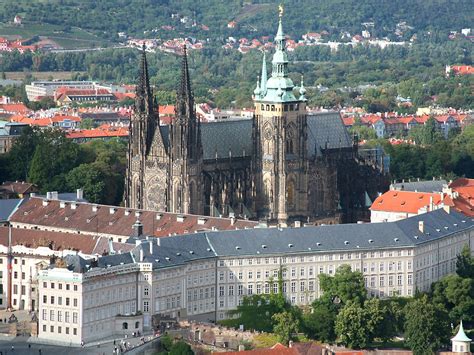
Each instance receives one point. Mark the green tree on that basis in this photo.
(426, 326)
(87, 123)
(21, 154)
(54, 156)
(456, 295)
(351, 326)
(428, 134)
(181, 348)
(91, 179)
(286, 325)
(319, 323)
(346, 285)
(465, 263)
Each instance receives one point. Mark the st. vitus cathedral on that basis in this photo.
(282, 165)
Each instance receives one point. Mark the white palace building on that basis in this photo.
(201, 276)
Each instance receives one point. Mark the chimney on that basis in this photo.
(421, 226)
(94, 208)
(431, 204)
(137, 229)
(112, 210)
(241, 347)
(141, 254)
(297, 224)
(151, 246)
(54, 195)
(158, 241)
(79, 194)
(45, 202)
(48, 195)
(290, 344)
(232, 221)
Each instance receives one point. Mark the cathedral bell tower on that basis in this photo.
(186, 186)
(280, 139)
(147, 160)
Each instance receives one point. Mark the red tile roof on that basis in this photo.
(18, 187)
(18, 108)
(33, 238)
(464, 202)
(101, 132)
(404, 201)
(462, 69)
(119, 222)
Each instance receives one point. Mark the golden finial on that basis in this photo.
(280, 10)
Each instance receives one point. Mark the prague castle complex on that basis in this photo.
(282, 165)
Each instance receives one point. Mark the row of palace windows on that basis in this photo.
(286, 107)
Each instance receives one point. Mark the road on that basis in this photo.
(21, 346)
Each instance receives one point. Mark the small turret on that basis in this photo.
(302, 90)
(461, 343)
(257, 90)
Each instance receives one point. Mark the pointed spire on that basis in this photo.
(185, 85)
(280, 57)
(144, 96)
(263, 81)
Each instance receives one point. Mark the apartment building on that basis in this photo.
(202, 276)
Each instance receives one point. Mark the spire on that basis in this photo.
(280, 58)
(186, 128)
(144, 96)
(263, 82)
(184, 92)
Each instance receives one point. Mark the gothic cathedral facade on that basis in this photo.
(281, 165)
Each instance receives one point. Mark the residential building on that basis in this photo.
(39, 89)
(394, 205)
(77, 217)
(8, 132)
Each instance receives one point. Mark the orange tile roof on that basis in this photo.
(404, 201)
(19, 108)
(166, 110)
(100, 132)
(465, 200)
(463, 69)
(277, 349)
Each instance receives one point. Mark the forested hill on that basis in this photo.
(257, 17)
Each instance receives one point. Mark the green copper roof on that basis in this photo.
(279, 88)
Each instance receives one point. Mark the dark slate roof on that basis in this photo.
(175, 250)
(224, 135)
(421, 186)
(7, 207)
(326, 130)
(178, 250)
(76, 263)
(235, 135)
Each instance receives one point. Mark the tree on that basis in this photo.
(456, 295)
(351, 326)
(181, 348)
(286, 325)
(91, 179)
(21, 154)
(426, 326)
(465, 263)
(319, 324)
(346, 285)
(428, 134)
